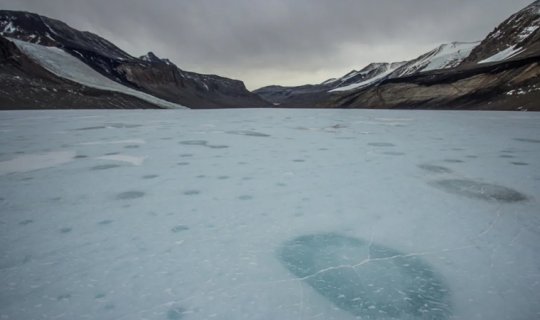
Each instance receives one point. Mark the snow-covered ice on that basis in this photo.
(269, 214)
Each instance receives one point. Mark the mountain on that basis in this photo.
(500, 73)
(310, 95)
(148, 74)
(516, 37)
(25, 84)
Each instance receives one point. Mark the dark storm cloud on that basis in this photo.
(278, 41)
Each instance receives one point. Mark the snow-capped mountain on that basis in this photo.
(500, 72)
(445, 56)
(149, 74)
(518, 36)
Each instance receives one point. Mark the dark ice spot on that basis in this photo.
(166, 138)
(434, 169)
(191, 192)
(520, 163)
(381, 144)
(223, 177)
(201, 176)
(507, 156)
(63, 297)
(186, 155)
(100, 296)
(179, 228)
(105, 222)
(394, 153)
(91, 128)
(194, 142)
(368, 280)
(176, 313)
(132, 146)
(109, 306)
(217, 146)
(471, 156)
(249, 133)
(245, 197)
(65, 230)
(299, 160)
(130, 195)
(111, 153)
(105, 166)
(123, 125)
(527, 140)
(80, 156)
(480, 190)
(26, 222)
(150, 176)
(453, 160)
(183, 163)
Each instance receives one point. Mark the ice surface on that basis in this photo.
(68, 67)
(269, 214)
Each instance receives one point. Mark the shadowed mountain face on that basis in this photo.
(149, 74)
(499, 73)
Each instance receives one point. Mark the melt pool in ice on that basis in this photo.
(366, 279)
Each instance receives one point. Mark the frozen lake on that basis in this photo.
(269, 214)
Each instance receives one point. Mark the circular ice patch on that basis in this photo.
(367, 280)
(480, 190)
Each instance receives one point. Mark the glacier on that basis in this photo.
(269, 214)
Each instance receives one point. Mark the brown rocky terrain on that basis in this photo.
(500, 73)
(160, 78)
(26, 85)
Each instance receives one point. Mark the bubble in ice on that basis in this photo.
(194, 142)
(105, 166)
(368, 280)
(518, 163)
(179, 228)
(249, 133)
(176, 313)
(434, 168)
(480, 190)
(130, 195)
(65, 230)
(527, 140)
(26, 222)
(453, 160)
(381, 144)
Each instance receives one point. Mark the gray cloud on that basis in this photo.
(278, 41)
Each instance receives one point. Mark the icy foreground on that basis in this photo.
(269, 214)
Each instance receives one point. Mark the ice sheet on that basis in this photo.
(270, 214)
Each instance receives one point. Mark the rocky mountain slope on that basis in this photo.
(24, 84)
(149, 74)
(501, 72)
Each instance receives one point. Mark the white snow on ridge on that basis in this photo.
(450, 55)
(365, 83)
(445, 56)
(503, 55)
(69, 67)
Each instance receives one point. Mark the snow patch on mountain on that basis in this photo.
(69, 67)
(388, 70)
(445, 56)
(503, 55)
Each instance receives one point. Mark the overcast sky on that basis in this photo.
(286, 42)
